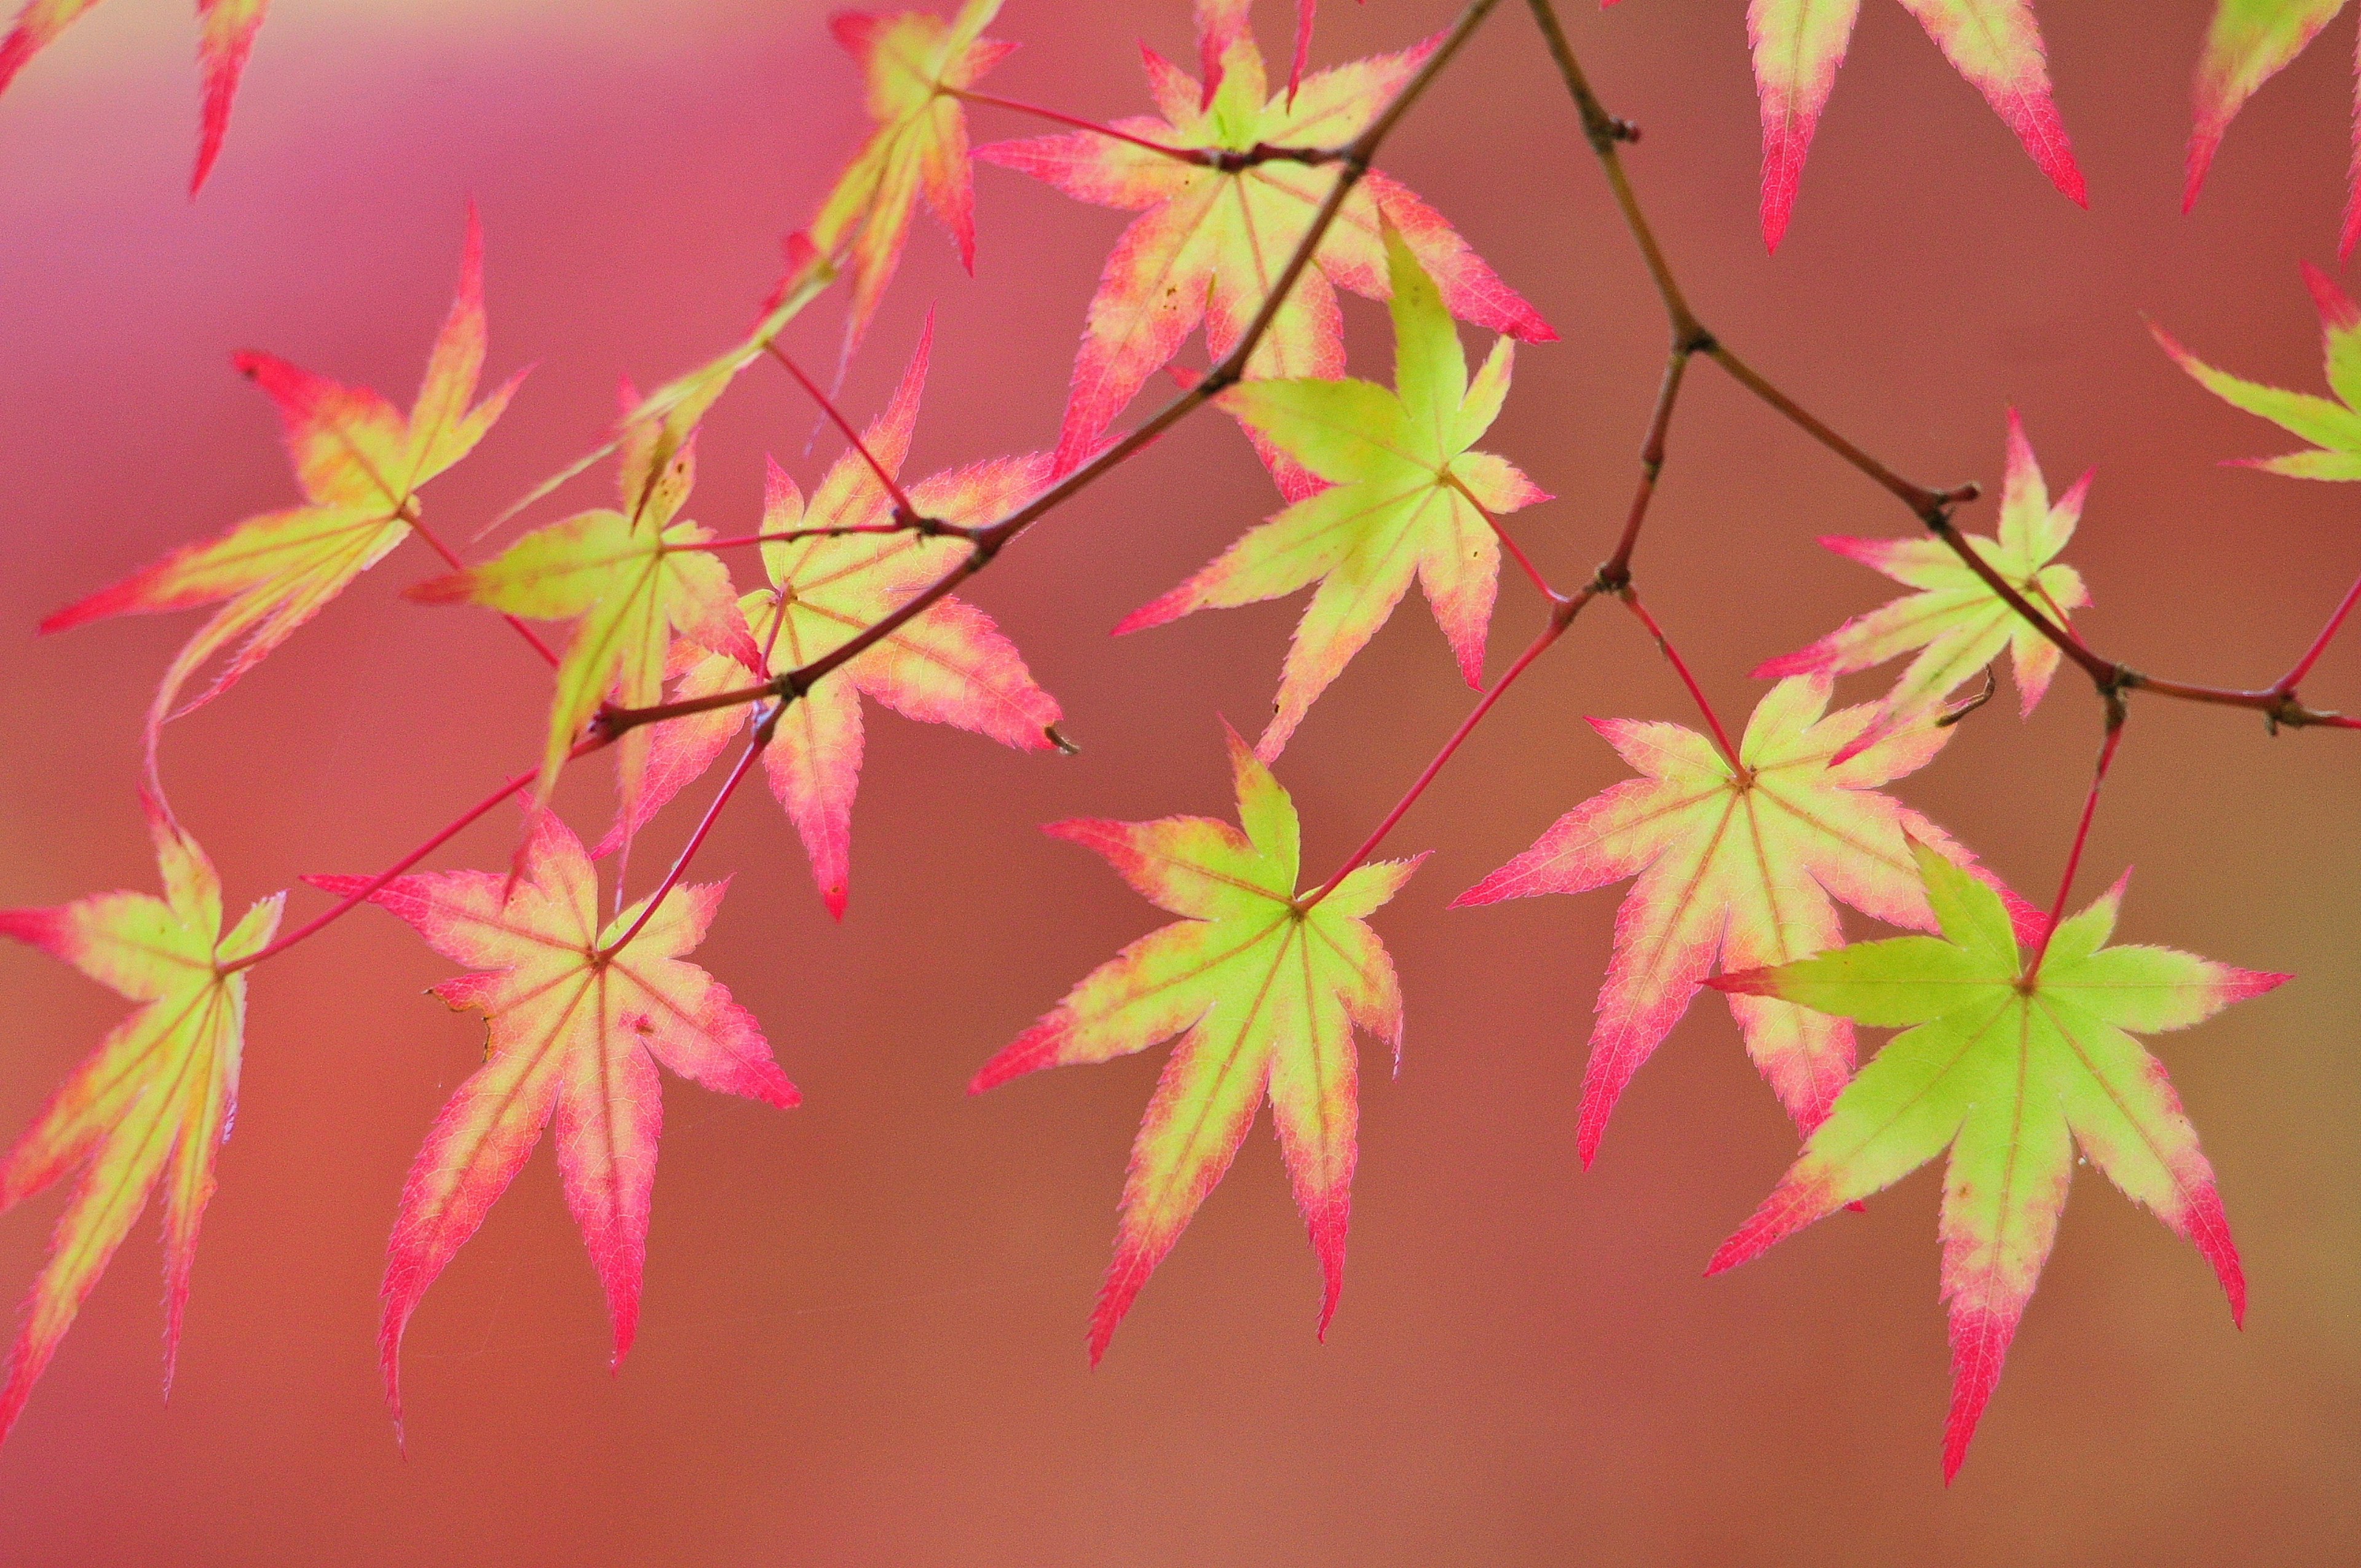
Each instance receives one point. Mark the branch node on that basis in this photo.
(2116, 680)
(1620, 129)
(1614, 579)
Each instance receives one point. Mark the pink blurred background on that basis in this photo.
(862, 1337)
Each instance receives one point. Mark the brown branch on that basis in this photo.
(1933, 507)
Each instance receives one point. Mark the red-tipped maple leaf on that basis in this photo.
(915, 66)
(633, 578)
(1740, 864)
(577, 1031)
(2012, 1055)
(1264, 993)
(152, 1104)
(359, 462)
(1210, 241)
(1392, 493)
(226, 37)
(1954, 621)
(2333, 427)
(949, 665)
(2248, 43)
(1799, 44)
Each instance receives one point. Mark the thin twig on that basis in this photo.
(902, 507)
(409, 514)
(2116, 716)
(754, 750)
(1562, 613)
(1630, 599)
(1617, 571)
(1507, 541)
(992, 101)
(2288, 682)
(378, 882)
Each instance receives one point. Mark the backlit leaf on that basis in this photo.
(1954, 622)
(150, 1107)
(1264, 996)
(915, 64)
(2332, 426)
(575, 1035)
(949, 665)
(633, 578)
(359, 463)
(1738, 866)
(2010, 1059)
(1404, 499)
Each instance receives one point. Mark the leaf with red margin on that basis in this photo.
(1954, 619)
(1799, 44)
(633, 578)
(1737, 867)
(2332, 427)
(915, 65)
(949, 665)
(359, 462)
(150, 1107)
(1406, 498)
(1210, 241)
(2005, 1057)
(574, 1036)
(2247, 44)
(1264, 995)
(225, 39)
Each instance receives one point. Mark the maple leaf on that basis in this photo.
(949, 665)
(152, 1104)
(1264, 993)
(2332, 428)
(226, 37)
(576, 1032)
(915, 65)
(1210, 240)
(2007, 1053)
(1738, 865)
(633, 578)
(2246, 45)
(1954, 619)
(1407, 499)
(359, 463)
(1799, 44)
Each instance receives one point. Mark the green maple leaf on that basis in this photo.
(1265, 993)
(1406, 498)
(2010, 1057)
(1954, 622)
(2332, 427)
(633, 577)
